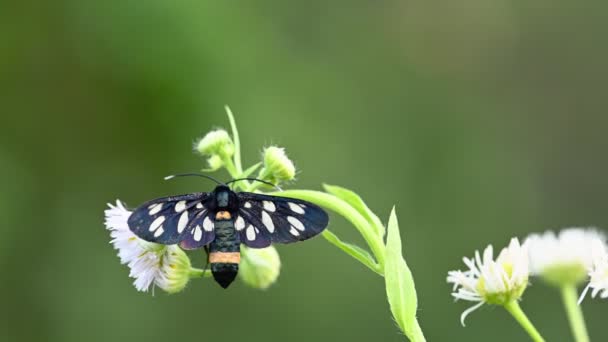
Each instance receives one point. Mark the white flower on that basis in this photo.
(564, 258)
(598, 273)
(493, 282)
(165, 266)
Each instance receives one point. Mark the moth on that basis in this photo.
(222, 220)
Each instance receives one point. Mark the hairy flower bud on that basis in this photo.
(259, 268)
(174, 272)
(277, 167)
(216, 143)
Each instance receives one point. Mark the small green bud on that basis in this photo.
(214, 162)
(259, 268)
(277, 167)
(216, 142)
(174, 272)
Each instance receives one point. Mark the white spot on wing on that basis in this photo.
(198, 233)
(297, 224)
(156, 223)
(267, 221)
(294, 232)
(296, 208)
(247, 205)
(207, 224)
(199, 205)
(269, 206)
(155, 208)
(180, 206)
(183, 222)
(239, 224)
(250, 233)
(159, 232)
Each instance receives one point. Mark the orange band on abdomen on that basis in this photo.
(225, 257)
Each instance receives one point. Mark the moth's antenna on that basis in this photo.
(193, 174)
(255, 179)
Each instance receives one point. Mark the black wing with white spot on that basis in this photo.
(177, 219)
(264, 219)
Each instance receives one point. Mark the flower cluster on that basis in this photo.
(568, 258)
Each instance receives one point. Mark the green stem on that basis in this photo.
(575, 314)
(199, 273)
(237, 141)
(230, 167)
(264, 174)
(515, 310)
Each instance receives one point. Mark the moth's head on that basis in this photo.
(223, 195)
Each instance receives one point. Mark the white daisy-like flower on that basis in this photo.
(565, 258)
(492, 281)
(598, 273)
(151, 264)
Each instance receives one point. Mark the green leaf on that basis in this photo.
(400, 284)
(356, 202)
(355, 251)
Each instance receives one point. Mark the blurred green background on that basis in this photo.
(479, 120)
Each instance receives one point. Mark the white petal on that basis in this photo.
(468, 311)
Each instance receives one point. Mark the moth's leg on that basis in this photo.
(206, 247)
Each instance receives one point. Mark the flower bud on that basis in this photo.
(214, 162)
(259, 268)
(216, 142)
(174, 272)
(277, 167)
